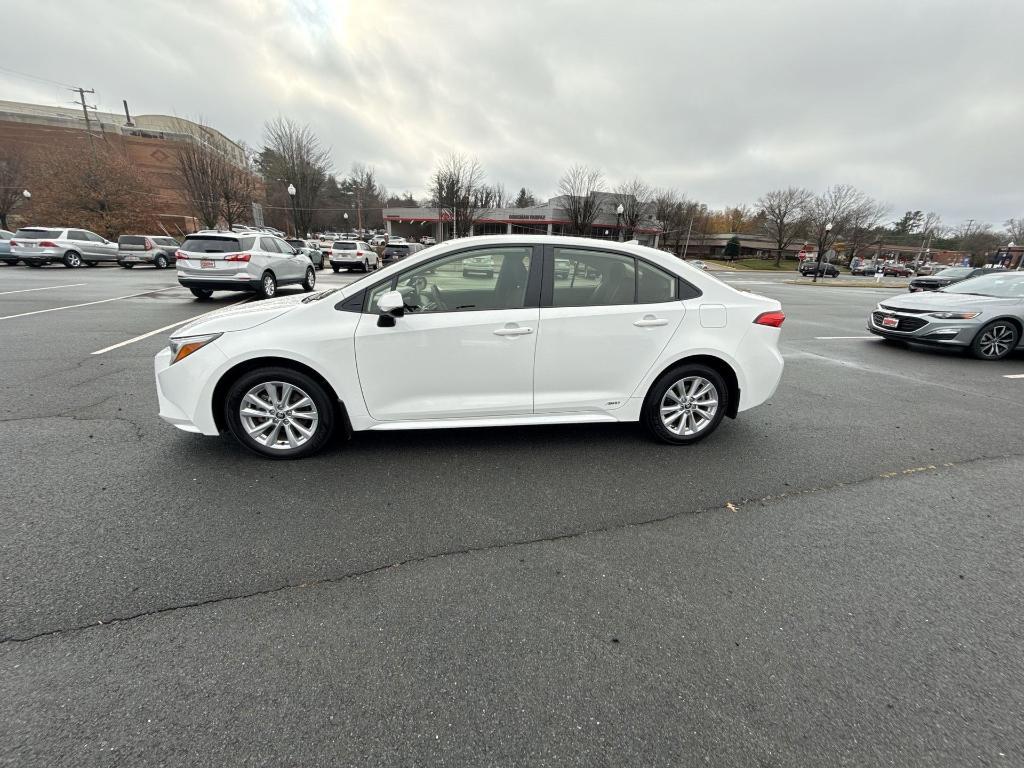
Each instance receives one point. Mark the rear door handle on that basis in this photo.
(650, 321)
(516, 331)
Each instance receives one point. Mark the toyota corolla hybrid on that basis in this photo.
(624, 333)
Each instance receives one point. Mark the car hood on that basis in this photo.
(239, 317)
(938, 300)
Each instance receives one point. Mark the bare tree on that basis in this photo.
(200, 165)
(13, 172)
(784, 214)
(292, 153)
(977, 238)
(499, 195)
(237, 191)
(635, 197)
(456, 188)
(580, 186)
(829, 215)
(1015, 230)
(864, 219)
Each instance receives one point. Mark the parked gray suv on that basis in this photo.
(229, 261)
(39, 246)
(158, 250)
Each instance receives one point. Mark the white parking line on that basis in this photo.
(87, 303)
(1014, 376)
(47, 288)
(832, 338)
(159, 330)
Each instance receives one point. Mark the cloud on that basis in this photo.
(916, 102)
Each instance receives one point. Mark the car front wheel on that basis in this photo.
(310, 282)
(995, 341)
(685, 405)
(279, 412)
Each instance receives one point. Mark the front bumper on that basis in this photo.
(185, 390)
(924, 329)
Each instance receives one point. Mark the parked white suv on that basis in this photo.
(39, 246)
(228, 261)
(353, 254)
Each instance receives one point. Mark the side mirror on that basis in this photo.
(393, 306)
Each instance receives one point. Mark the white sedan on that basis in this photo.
(628, 333)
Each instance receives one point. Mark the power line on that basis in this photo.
(36, 78)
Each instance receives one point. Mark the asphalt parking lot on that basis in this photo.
(836, 578)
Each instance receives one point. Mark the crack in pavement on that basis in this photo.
(728, 505)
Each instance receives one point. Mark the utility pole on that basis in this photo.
(85, 112)
(686, 245)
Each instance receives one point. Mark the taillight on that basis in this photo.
(180, 254)
(14, 242)
(238, 257)
(149, 244)
(47, 244)
(771, 319)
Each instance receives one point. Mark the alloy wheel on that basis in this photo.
(996, 341)
(269, 286)
(278, 415)
(688, 407)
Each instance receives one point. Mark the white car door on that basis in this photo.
(465, 346)
(601, 329)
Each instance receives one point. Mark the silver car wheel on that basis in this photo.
(995, 342)
(278, 415)
(269, 286)
(689, 406)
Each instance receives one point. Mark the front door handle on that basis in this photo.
(514, 331)
(650, 321)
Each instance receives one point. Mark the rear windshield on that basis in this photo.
(165, 241)
(344, 247)
(296, 243)
(38, 234)
(131, 240)
(398, 248)
(208, 244)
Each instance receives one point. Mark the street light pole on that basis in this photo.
(619, 210)
(821, 251)
(295, 215)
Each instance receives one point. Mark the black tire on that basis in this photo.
(34, 264)
(91, 263)
(268, 286)
(894, 342)
(650, 415)
(309, 283)
(128, 266)
(366, 265)
(72, 259)
(11, 262)
(324, 403)
(160, 262)
(336, 269)
(203, 294)
(996, 340)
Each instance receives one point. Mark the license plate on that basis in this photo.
(890, 322)
(207, 264)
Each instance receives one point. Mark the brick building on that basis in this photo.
(148, 141)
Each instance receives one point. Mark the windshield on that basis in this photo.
(957, 272)
(1001, 286)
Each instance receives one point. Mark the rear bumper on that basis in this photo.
(347, 262)
(220, 284)
(38, 256)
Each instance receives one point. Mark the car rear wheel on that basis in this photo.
(686, 404)
(366, 265)
(336, 269)
(268, 286)
(279, 412)
(201, 293)
(35, 264)
(995, 341)
(72, 260)
(310, 282)
(12, 262)
(127, 266)
(91, 263)
(160, 262)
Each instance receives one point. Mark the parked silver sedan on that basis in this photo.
(983, 314)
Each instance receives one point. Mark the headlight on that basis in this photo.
(182, 348)
(955, 315)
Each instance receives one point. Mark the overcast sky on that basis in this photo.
(918, 102)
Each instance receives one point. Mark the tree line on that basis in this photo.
(93, 184)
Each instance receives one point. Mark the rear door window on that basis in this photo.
(78, 235)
